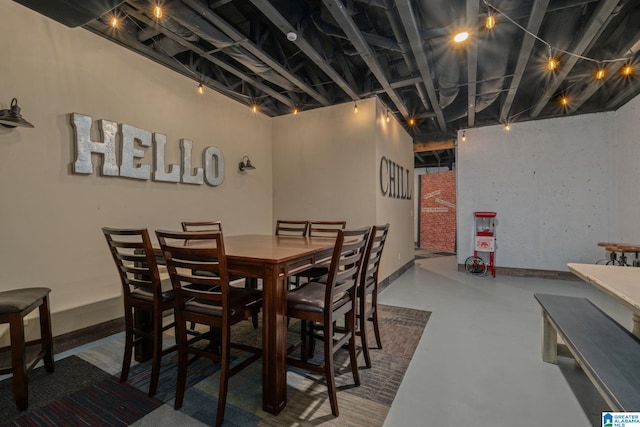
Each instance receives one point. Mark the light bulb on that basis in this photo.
(254, 108)
(295, 111)
(200, 89)
(355, 107)
(564, 100)
(552, 64)
(115, 22)
(507, 127)
(600, 74)
(388, 118)
(490, 22)
(412, 121)
(158, 12)
(627, 70)
(461, 36)
(464, 136)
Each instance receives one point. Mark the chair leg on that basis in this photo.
(128, 343)
(157, 352)
(376, 326)
(329, 370)
(362, 324)
(18, 362)
(45, 334)
(252, 283)
(183, 358)
(224, 375)
(352, 349)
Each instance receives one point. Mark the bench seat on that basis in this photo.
(607, 352)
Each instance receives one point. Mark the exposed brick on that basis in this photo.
(438, 211)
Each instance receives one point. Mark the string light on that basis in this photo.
(254, 108)
(564, 100)
(355, 107)
(295, 111)
(507, 127)
(115, 22)
(411, 121)
(464, 136)
(600, 73)
(200, 89)
(552, 63)
(490, 21)
(627, 70)
(157, 11)
(388, 119)
(535, 36)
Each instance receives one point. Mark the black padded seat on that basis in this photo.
(311, 297)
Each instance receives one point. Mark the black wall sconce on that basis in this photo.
(11, 117)
(246, 166)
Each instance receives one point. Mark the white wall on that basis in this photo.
(627, 171)
(50, 219)
(325, 167)
(552, 183)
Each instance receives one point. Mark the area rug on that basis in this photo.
(307, 397)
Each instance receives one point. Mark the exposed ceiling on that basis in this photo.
(400, 51)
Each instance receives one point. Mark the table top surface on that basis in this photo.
(274, 248)
(622, 283)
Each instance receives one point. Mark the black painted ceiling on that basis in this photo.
(400, 51)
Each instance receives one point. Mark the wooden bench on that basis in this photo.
(607, 352)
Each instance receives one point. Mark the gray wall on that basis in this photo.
(554, 184)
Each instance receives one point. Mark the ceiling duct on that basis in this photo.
(72, 13)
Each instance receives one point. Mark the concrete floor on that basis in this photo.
(479, 361)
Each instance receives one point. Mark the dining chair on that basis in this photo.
(249, 282)
(291, 228)
(206, 300)
(145, 296)
(15, 305)
(368, 285)
(319, 229)
(319, 304)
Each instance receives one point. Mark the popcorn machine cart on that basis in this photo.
(484, 241)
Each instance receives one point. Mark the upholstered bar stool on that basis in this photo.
(14, 306)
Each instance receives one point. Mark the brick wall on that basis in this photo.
(438, 211)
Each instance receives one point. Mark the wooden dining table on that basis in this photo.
(619, 282)
(273, 259)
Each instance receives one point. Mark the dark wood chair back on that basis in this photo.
(346, 264)
(325, 228)
(201, 225)
(135, 260)
(369, 286)
(291, 228)
(211, 283)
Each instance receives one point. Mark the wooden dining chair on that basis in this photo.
(291, 228)
(249, 282)
(207, 300)
(321, 304)
(145, 296)
(319, 229)
(368, 285)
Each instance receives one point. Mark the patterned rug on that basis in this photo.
(99, 399)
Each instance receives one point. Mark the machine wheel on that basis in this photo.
(476, 266)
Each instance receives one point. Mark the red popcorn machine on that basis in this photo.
(484, 242)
